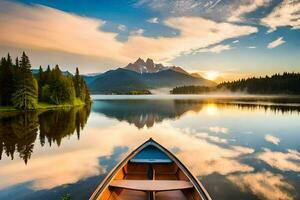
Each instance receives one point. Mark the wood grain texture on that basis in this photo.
(151, 185)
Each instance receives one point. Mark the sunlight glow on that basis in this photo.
(211, 109)
(211, 75)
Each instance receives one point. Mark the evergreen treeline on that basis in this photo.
(20, 89)
(286, 83)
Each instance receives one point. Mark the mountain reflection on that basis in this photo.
(19, 133)
(143, 113)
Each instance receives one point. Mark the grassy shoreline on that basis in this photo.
(44, 106)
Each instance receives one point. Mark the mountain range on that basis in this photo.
(142, 76)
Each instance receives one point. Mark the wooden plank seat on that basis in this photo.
(151, 185)
(151, 161)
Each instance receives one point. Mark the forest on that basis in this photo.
(286, 83)
(22, 90)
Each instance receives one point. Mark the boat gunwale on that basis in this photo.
(196, 183)
(113, 172)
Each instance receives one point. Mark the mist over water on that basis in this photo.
(240, 147)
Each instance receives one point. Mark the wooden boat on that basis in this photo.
(150, 172)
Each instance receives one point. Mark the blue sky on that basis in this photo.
(233, 38)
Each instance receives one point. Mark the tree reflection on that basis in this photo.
(275, 108)
(19, 133)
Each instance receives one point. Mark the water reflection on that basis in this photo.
(143, 113)
(239, 150)
(285, 161)
(55, 125)
(265, 185)
(18, 133)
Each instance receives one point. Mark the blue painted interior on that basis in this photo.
(151, 153)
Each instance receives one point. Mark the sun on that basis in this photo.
(212, 75)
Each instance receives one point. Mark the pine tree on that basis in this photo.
(17, 62)
(81, 89)
(47, 75)
(77, 84)
(40, 72)
(6, 81)
(25, 97)
(2, 63)
(16, 71)
(40, 82)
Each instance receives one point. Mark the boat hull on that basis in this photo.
(150, 172)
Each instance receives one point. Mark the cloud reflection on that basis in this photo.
(289, 161)
(265, 185)
(217, 129)
(48, 171)
(71, 163)
(272, 139)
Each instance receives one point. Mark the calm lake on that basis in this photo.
(245, 148)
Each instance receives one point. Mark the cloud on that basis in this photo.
(43, 28)
(215, 49)
(40, 27)
(289, 161)
(272, 139)
(190, 37)
(212, 4)
(172, 7)
(287, 13)
(265, 185)
(122, 27)
(137, 32)
(238, 14)
(217, 10)
(66, 61)
(153, 20)
(252, 47)
(279, 41)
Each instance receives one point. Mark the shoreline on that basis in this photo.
(201, 96)
(258, 99)
(42, 106)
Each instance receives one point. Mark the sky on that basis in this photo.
(220, 39)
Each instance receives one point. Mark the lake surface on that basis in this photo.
(239, 148)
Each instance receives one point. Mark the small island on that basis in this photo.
(21, 90)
